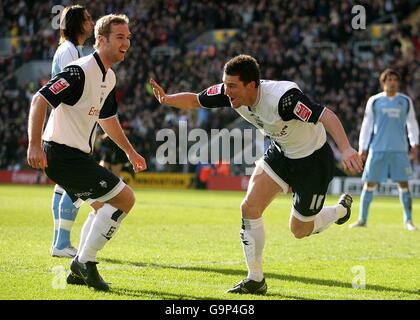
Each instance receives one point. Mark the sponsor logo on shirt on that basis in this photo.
(302, 111)
(59, 86)
(216, 89)
(392, 112)
(94, 112)
(283, 131)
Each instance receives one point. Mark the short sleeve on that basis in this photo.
(110, 107)
(66, 87)
(214, 97)
(296, 105)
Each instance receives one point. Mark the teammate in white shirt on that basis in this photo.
(82, 96)
(299, 155)
(76, 26)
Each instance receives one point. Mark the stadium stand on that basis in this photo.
(184, 44)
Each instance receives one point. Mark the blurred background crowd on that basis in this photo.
(311, 42)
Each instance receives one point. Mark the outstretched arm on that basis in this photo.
(351, 160)
(183, 100)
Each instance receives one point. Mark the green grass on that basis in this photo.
(185, 245)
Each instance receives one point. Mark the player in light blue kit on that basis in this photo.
(76, 26)
(388, 117)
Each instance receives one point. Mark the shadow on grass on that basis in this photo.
(160, 295)
(157, 295)
(241, 273)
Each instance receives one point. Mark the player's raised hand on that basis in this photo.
(352, 161)
(36, 158)
(158, 92)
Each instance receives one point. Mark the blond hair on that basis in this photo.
(104, 24)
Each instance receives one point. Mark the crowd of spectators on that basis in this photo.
(310, 42)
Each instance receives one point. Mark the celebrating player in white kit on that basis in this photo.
(82, 95)
(299, 155)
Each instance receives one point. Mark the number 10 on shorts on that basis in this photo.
(316, 201)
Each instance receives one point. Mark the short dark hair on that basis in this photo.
(71, 23)
(244, 66)
(389, 72)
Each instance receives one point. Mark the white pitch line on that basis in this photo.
(128, 265)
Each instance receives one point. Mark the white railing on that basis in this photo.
(354, 186)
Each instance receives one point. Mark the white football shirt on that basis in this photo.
(281, 112)
(80, 95)
(66, 53)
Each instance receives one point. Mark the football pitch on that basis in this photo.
(185, 245)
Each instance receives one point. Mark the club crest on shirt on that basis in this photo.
(302, 111)
(59, 86)
(216, 89)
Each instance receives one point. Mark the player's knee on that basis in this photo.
(250, 211)
(125, 200)
(299, 234)
(244, 208)
(300, 229)
(97, 205)
(130, 198)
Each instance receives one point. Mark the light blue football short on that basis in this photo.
(381, 166)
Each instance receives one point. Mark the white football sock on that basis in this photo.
(104, 226)
(85, 230)
(253, 239)
(327, 216)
